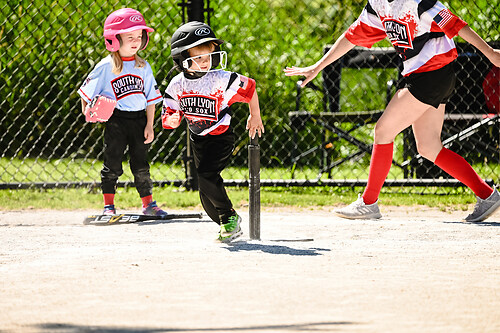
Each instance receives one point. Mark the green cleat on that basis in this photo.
(231, 229)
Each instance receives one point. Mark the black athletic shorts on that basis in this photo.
(434, 87)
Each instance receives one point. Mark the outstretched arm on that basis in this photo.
(473, 38)
(339, 48)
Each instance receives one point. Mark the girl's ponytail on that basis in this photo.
(117, 63)
(139, 62)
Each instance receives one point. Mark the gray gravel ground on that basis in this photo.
(415, 270)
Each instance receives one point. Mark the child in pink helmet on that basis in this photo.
(125, 77)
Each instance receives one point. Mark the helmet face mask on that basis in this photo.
(215, 59)
(194, 34)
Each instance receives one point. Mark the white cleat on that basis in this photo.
(359, 210)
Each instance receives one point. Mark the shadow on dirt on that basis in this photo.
(483, 224)
(203, 220)
(69, 328)
(274, 248)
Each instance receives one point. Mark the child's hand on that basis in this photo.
(149, 134)
(254, 125)
(174, 120)
(309, 73)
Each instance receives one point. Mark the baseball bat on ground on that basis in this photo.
(131, 218)
(254, 187)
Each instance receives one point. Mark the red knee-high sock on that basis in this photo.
(146, 200)
(380, 165)
(109, 198)
(457, 167)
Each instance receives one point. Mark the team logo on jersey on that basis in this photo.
(127, 85)
(200, 106)
(398, 33)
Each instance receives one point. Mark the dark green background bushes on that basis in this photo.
(48, 48)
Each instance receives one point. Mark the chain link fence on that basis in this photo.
(314, 136)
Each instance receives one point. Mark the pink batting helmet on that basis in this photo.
(122, 21)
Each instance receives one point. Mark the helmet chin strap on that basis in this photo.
(194, 75)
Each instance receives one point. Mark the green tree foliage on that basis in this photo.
(48, 47)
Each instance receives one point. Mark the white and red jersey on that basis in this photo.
(205, 102)
(420, 30)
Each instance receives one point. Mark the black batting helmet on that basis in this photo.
(190, 35)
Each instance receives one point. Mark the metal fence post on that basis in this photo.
(196, 10)
(254, 187)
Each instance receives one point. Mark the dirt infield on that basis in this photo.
(416, 270)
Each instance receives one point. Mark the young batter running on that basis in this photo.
(203, 95)
(125, 77)
(422, 32)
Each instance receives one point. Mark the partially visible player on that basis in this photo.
(128, 79)
(203, 93)
(422, 32)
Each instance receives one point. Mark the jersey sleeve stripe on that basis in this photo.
(154, 99)
(244, 93)
(367, 29)
(365, 35)
(82, 94)
(370, 9)
(232, 78)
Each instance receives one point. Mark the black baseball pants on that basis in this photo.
(126, 129)
(211, 155)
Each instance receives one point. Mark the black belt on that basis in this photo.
(129, 114)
